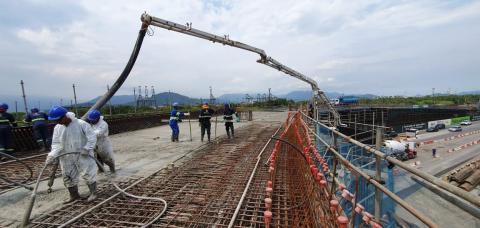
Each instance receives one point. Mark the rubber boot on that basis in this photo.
(93, 192)
(99, 164)
(42, 149)
(173, 138)
(111, 165)
(73, 192)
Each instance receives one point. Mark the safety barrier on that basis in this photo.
(449, 138)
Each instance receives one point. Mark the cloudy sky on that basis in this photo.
(381, 47)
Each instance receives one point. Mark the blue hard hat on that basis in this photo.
(34, 110)
(4, 106)
(175, 104)
(56, 112)
(93, 115)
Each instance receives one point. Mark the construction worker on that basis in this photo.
(73, 135)
(175, 117)
(103, 149)
(6, 122)
(204, 120)
(310, 110)
(40, 127)
(228, 118)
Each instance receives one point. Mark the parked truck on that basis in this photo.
(402, 150)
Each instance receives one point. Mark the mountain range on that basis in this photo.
(166, 98)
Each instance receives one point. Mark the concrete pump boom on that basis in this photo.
(264, 59)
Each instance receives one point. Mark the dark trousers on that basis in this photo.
(228, 127)
(6, 139)
(41, 135)
(205, 126)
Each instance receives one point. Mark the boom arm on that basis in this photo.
(264, 59)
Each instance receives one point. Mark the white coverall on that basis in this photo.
(78, 136)
(104, 147)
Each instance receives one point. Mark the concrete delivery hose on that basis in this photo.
(28, 211)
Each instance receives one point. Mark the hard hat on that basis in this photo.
(3, 106)
(34, 110)
(93, 115)
(56, 112)
(175, 104)
(206, 103)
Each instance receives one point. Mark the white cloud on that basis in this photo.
(44, 38)
(344, 45)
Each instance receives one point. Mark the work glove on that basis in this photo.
(186, 114)
(49, 160)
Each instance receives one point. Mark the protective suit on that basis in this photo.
(78, 136)
(104, 148)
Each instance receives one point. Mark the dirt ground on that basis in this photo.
(137, 154)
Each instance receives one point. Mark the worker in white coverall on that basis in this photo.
(73, 135)
(104, 149)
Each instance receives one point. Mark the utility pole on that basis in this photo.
(109, 101)
(75, 99)
(433, 95)
(169, 101)
(212, 98)
(24, 97)
(16, 110)
(135, 99)
(154, 97)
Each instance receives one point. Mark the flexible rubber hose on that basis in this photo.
(147, 198)
(123, 76)
(28, 211)
(13, 183)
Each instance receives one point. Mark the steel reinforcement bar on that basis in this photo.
(204, 191)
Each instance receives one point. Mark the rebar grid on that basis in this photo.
(202, 192)
(205, 190)
(18, 172)
(66, 212)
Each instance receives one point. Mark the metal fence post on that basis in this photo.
(334, 167)
(378, 173)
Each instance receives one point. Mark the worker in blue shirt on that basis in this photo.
(175, 117)
(6, 122)
(40, 127)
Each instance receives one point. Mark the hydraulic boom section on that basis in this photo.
(319, 95)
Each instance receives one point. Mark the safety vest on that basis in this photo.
(4, 120)
(175, 115)
(38, 119)
(205, 114)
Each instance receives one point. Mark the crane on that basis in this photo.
(319, 96)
